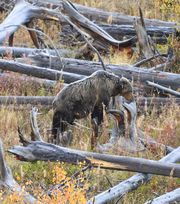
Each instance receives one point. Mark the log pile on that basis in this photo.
(153, 85)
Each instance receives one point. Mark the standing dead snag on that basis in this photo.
(85, 96)
(7, 181)
(125, 133)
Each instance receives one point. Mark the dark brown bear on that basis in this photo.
(78, 99)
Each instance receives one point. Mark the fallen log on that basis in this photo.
(159, 34)
(39, 72)
(25, 100)
(100, 15)
(88, 67)
(94, 14)
(47, 101)
(11, 79)
(132, 183)
(38, 150)
(8, 182)
(23, 51)
(164, 89)
(170, 197)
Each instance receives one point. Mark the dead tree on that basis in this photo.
(132, 183)
(94, 14)
(97, 33)
(21, 15)
(7, 181)
(170, 197)
(78, 99)
(124, 133)
(39, 71)
(139, 75)
(142, 102)
(41, 151)
(23, 51)
(164, 89)
(147, 48)
(159, 35)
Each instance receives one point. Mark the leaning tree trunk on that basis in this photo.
(170, 197)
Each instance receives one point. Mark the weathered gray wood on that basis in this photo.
(100, 15)
(95, 14)
(170, 197)
(23, 51)
(24, 100)
(164, 89)
(132, 183)
(38, 71)
(8, 181)
(35, 133)
(23, 79)
(49, 152)
(145, 46)
(88, 67)
(22, 13)
(145, 60)
(159, 34)
(97, 33)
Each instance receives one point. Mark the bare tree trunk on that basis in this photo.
(170, 197)
(158, 34)
(25, 100)
(23, 51)
(39, 72)
(88, 67)
(132, 183)
(95, 14)
(10, 79)
(142, 102)
(49, 152)
(164, 89)
(100, 15)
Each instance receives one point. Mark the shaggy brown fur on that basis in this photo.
(85, 96)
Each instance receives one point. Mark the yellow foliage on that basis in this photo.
(70, 192)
